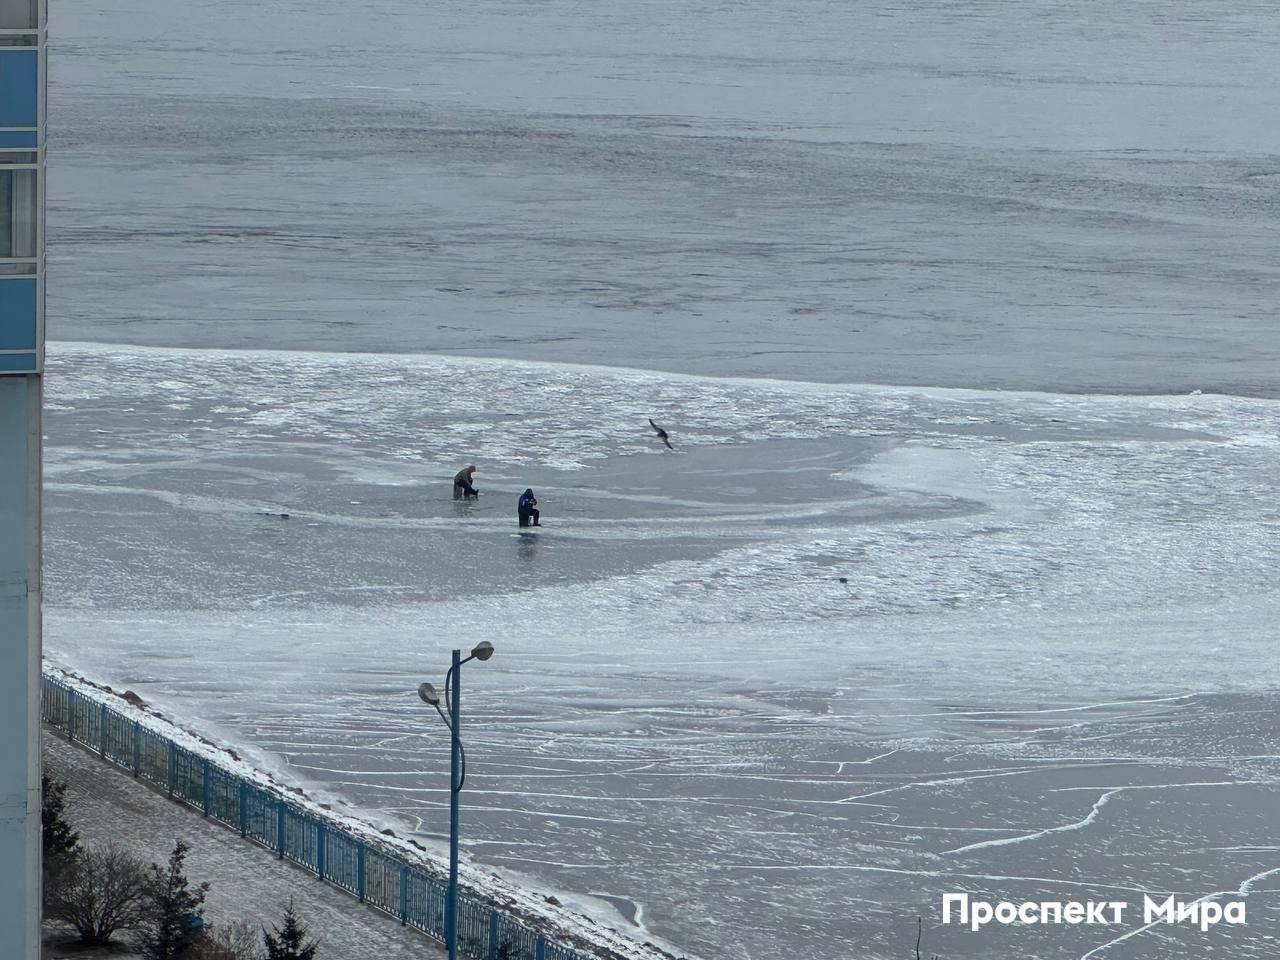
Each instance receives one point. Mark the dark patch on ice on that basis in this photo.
(627, 907)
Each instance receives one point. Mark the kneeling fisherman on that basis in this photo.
(527, 509)
(462, 485)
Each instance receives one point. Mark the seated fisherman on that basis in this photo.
(462, 486)
(528, 509)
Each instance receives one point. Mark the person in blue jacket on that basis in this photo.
(528, 509)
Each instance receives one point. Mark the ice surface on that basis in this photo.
(1047, 669)
(1047, 194)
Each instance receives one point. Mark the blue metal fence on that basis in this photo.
(373, 873)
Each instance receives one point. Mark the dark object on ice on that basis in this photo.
(527, 509)
(130, 697)
(844, 579)
(268, 513)
(662, 434)
(552, 900)
(462, 487)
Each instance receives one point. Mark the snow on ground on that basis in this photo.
(1046, 599)
(248, 883)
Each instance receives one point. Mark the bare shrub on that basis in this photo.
(228, 941)
(100, 892)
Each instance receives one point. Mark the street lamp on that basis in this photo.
(457, 774)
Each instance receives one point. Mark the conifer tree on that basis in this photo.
(289, 941)
(59, 839)
(61, 843)
(176, 920)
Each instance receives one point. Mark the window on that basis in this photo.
(19, 14)
(18, 210)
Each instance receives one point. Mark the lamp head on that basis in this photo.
(428, 694)
(482, 650)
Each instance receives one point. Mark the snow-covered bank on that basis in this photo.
(543, 914)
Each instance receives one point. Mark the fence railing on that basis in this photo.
(372, 873)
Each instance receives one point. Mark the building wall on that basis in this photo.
(22, 107)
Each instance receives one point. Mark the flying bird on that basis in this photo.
(662, 434)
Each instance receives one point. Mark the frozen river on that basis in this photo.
(773, 692)
(1009, 628)
(1038, 195)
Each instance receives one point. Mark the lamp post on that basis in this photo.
(457, 774)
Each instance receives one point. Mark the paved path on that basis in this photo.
(248, 882)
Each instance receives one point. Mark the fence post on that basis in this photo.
(102, 730)
(71, 716)
(493, 934)
(137, 749)
(404, 894)
(204, 786)
(280, 829)
(320, 834)
(539, 946)
(244, 809)
(360, 870)
(172, 778)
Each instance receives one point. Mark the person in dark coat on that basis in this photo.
(462, 486)
(527, 508)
